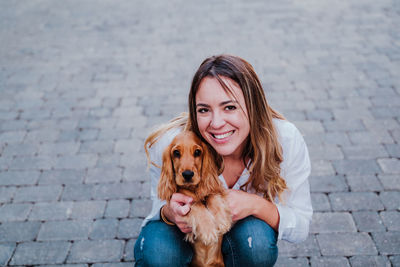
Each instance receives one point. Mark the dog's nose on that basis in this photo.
(187, 175)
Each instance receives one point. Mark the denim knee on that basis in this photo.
(250, 242)
(160, 244)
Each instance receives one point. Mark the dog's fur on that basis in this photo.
(209, 216)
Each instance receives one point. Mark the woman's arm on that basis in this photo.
(295, 210)
(291, 217)
(243, 204)
(156, 156)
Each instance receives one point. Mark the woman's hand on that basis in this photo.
(178, 207)
(241, 203)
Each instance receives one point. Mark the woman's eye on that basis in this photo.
(202, 110)
(176, 154)
(230, 107)
(197, 152)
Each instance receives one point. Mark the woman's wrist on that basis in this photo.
(164, 218)
(266, 211)
(258, 205)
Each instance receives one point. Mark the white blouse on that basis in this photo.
(295, 210)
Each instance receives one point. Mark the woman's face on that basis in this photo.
(222, 118)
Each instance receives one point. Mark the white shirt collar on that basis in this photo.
(241, 181)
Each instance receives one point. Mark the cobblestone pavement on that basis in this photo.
(83, 82)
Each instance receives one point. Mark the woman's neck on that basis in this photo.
(233, 169)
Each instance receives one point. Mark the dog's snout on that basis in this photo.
(187, 175)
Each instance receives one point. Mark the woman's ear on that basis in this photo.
(167, 185)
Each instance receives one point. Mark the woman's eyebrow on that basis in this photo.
(228, 102)
(202, 105)
(221, 104)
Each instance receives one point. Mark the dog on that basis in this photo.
(189, 168)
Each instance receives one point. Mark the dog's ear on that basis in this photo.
(210, 182)
(167, 185)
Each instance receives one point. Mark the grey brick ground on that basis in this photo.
(51, 211)
(104, 229)
(6, 251)
(88, 209)
(320, 202)
(332, 223)
(45, 193)
(19, 231)
(370, 261)
(15, 212)
(352, 244)
(355, 201)
(391, 220)
(388, 242)
(298, 262)
(368, 221)
(96, 251)
(329, 261)
(64, 230)
(82, 85)
(62, 177)
(31, 253)
(117, 208)
(18, 177)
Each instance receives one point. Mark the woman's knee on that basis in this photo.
(161, 245)
(253, 242)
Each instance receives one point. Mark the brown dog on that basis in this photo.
(188, 168)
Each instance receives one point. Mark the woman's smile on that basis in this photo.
(223, 135)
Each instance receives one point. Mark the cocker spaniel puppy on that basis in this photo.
(189, 168)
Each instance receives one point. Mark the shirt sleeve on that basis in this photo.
(295, 210)
(155, 153)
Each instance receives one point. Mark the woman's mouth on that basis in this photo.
(222, 136)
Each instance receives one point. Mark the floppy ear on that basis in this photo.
(210, 183)
(167, 185)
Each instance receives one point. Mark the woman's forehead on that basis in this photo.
(212, 87)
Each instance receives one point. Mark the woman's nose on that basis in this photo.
(217, 121)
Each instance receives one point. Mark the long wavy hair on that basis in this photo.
(262, 145)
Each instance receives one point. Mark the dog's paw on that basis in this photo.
(190, 237)
(224, 226)
(208, 236)
(223, 221)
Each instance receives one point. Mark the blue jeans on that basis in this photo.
(250, 242)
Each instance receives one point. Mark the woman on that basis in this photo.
(266, 169)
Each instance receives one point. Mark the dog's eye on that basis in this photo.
(197, 152)
(176, 153)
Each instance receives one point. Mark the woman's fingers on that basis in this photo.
(185, 228)
(181, 198)
(181, 203)
(179, 209)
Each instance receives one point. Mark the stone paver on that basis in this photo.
(96, 251)
(31, 253)
(368, 221)
(64, 230)
(336, 222)
(104, 229)
(360, 261)
(81, 86)
(353, 244)
(6, 251)
(329, 261)
(19, 231)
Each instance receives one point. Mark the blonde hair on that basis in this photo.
(262, 147)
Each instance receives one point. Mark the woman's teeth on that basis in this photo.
(222, 136)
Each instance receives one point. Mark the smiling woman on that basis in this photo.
(263, 164)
